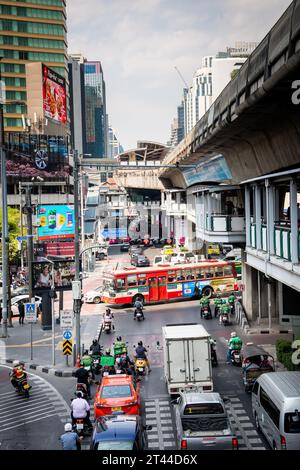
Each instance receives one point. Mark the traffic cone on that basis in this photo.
(77, 365)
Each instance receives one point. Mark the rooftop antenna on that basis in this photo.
(180, 75)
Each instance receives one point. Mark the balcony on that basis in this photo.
(175, 208)
(221, 228)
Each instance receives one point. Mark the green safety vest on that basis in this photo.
(231, 299)
(218, 301)
(225, 308)
(204, 302)
(87, 361)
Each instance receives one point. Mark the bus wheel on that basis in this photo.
(207, 291)
(138, 297)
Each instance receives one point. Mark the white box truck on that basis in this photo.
(187, 358)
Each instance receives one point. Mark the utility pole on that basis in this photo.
(5, 261)
(77, 284)
(28, 209)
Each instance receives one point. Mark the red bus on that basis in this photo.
(163, 283)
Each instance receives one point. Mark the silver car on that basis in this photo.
(202, 423)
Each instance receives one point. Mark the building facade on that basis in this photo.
(29, 33)
(114, 146)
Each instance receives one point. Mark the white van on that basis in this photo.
(276, 409)
(161, 259)
(183, 257)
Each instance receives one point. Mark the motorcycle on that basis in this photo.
(206, 313)
(22, 386)
(140, 366)
(224, 319)
(81, 428)
(107, 326)
(83, 389)
(139, 314)
(96, 367)
(232, 309)
(236, 358)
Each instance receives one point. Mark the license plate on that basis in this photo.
(208, 441)
(79, 426)
(26, 386)
(96, 361)
(141, 369)
(237, 356)
(117, 408)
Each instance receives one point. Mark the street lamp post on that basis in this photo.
(77, 295)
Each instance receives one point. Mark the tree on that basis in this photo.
(13, 231)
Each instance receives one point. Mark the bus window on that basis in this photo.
(180, 275)
(189, 274)
(209, 273)
(142, 281)
(131, 280)
(228, 270)
(120, 284)
(171, 276)
(219, 271)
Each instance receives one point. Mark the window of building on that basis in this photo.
(131, 280)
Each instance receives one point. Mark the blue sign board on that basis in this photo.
(114, 232)
(55, 221)
(215, 169)
(29, 308)
(67, 334)
(22, 239)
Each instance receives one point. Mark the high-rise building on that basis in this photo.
(211, 78)
(178, 124)
(114, 146)
(33, 33)
(77, 102)
(96, 129)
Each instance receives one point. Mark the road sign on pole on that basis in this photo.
(30, 312)
(66, 319)
(67, 347)
(67, 334)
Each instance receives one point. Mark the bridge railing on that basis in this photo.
(225, 223)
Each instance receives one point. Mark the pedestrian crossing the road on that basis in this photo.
(17, 411)
(158, 415)
(244, 429)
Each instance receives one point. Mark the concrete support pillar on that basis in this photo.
(258, 216)
(209, 210)
(271, 221)
(250, 292)
(247, 215)
(294, 222)
(205, 210)
(280, 301)
(258, 297)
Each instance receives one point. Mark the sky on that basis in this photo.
(139, 43)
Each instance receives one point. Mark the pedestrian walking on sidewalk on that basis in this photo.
(21, 308)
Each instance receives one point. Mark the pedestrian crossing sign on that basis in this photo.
(30, 312)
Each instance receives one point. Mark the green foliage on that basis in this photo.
(13, 232)
(284, 353)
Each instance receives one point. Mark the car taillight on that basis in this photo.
(183, 444)
(236, 287)
(235, 443)
(283, 443)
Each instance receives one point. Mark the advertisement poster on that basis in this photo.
(215, 169)
(42, 272)
(32, 155)
(54, 95)
(55, 221)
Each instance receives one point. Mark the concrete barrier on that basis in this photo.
(240, 317)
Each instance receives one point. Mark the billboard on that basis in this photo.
(31, 155)
(215, 169)
(54, 95)
(42, 272)
(55, 221)
(56, 249)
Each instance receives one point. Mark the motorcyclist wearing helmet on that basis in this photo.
(204, 303)
(70, 439)
(119, 346)
(217, 304)
(107, 317)
(213, 350)
(80, 409)
(18, 373)
(138, 305)
(141, 354)
(83, 377)
(107, 362)
(235, 343)
(95, 348)
(225, 309)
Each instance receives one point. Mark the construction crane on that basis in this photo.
(180, 75)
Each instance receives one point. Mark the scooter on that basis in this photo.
(236, 358)
(140, 366)
(81, 428)
(107, 326)
(139, 314)
(83, 389)
(96, 367)
(224, 319)
(23, 386)
(206, 313)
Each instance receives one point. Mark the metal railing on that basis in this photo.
(225, 223)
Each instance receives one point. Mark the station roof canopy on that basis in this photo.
(145, 151)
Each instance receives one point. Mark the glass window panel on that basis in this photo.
(209, 273)
(219, 271)
(131, 280)
(227, 270)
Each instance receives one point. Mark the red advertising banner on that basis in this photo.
(60, 249)
(54, 95)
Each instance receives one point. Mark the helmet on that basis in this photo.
(107, 351)
(140, 343)
(119, 338)
(95, 341)
(16, 363)
(108, 310)
(233, 334)
(68, 427)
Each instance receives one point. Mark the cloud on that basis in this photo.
(140, 41)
